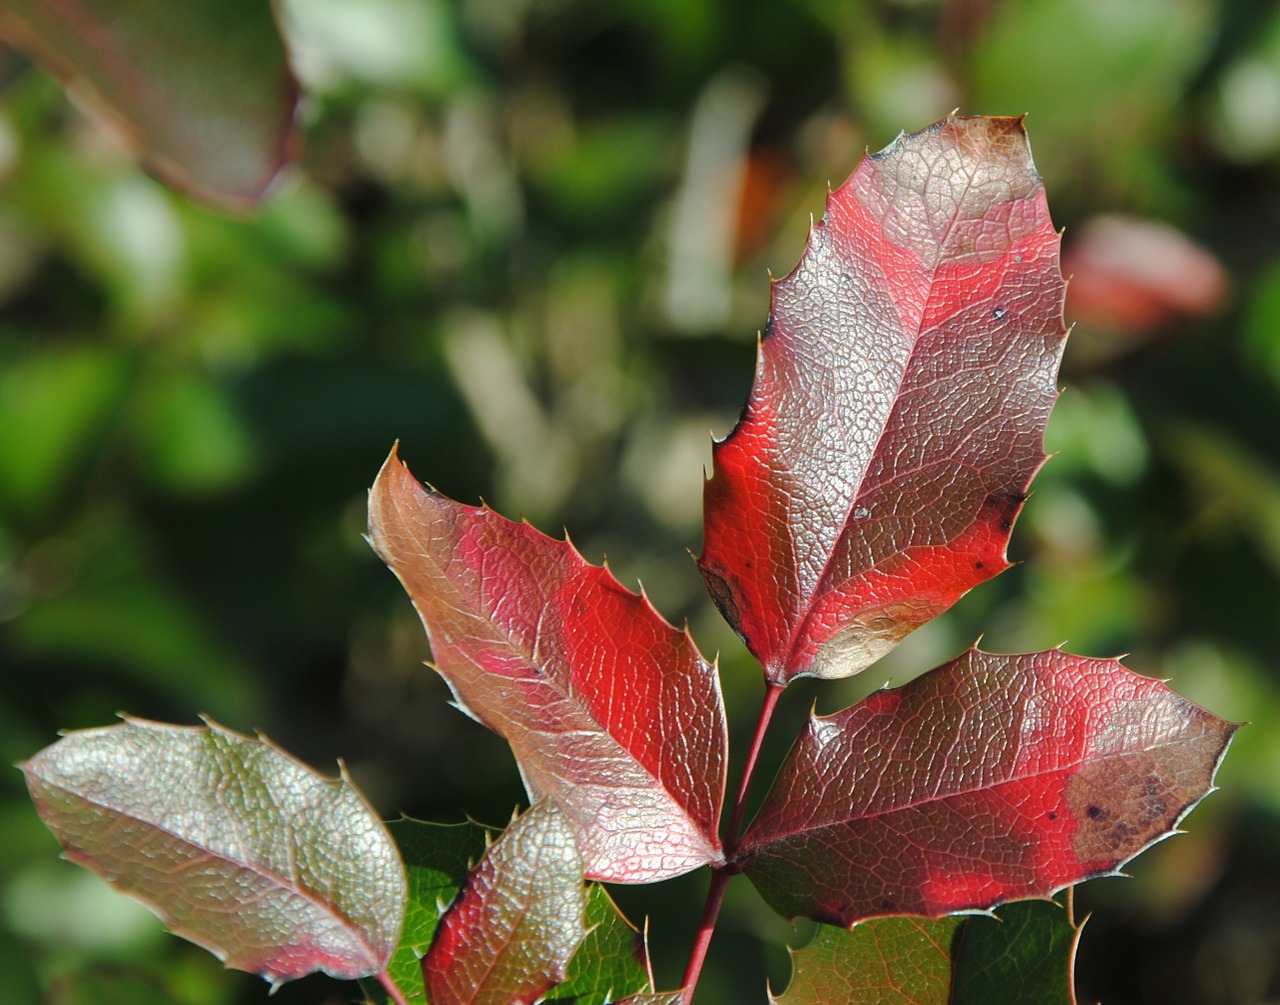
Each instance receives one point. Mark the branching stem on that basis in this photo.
(720, 876)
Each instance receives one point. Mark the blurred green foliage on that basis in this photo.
(530, 240)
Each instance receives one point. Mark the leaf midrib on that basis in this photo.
(269, 874)
(796, 634)
(1074, 763)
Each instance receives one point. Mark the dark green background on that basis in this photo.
(476, 256)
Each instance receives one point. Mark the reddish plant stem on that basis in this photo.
(392, 989)
(706, 926)
(720, 876)
(767, 705)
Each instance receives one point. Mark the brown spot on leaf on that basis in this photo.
(1119, 807)
(1005, 506)
(722, 593)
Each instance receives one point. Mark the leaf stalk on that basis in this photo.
(392, 989)
(720, 876)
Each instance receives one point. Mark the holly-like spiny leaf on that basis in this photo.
(607, 707)
(201, 88)
(992, 778)
(899, 405)
(1024, 956)
(511, 933)
(234, 844)
(612, 960)
(438, 857)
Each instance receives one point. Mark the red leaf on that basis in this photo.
(510, 935)
(899, 405)
(607, 707)
(992, 778)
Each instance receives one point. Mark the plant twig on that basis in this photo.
(720, 876)
(706, 926)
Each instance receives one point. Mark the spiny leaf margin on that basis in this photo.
(608, 708)
(991, 778)
(192, 820)
(899, 404)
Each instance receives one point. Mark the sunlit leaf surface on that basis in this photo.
(898, 411)
(607, 707)
(1022, 957)
(511, 933)
(234, 844)
(992, 778)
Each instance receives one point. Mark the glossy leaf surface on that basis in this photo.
(607, 707)
(202, 89)
(899, 404)
(438, 857)
(234, 844)
(610, 963)
(1022, 957)
(511, 933)
(992, 778)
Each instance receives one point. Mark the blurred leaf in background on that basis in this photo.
(486, 250)
(216, 121)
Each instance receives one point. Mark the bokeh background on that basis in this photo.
(531, 240)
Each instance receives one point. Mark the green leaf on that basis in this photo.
(1022, 956)
(611, 960)
(234, 844)
(437, 859)
(203, 88)
(511, 933)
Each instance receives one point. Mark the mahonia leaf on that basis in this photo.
(438, 857)
(612, 960)
(202, 89)
(655, 998)
(607, 707)
(1022, 957)
(509, 936)
(992, 778)
(899, 405)
(885, 961)
(234, 844)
